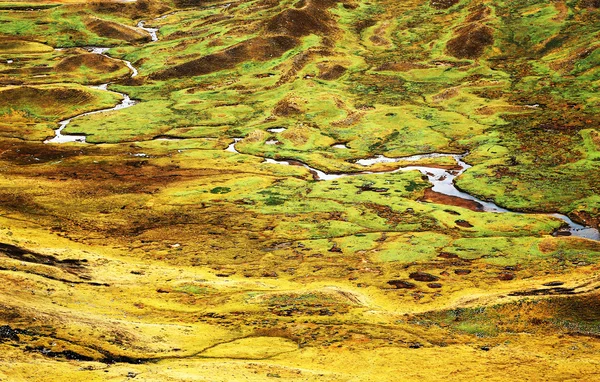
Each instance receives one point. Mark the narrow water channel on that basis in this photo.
(59, 137)
(441, 179)
(126, 102)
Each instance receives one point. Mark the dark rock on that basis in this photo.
(452, 212)
(561, 232)
(6, 332)
(462, 272)
(422, 276)
(446, 255)
(335, 248)
(553, 283)
(415, 345)
(434, 285)
(545, 292)
(463, 223)
(66, 354)
(485, 348)
(369, 187)
(401, 284)
(506, 276)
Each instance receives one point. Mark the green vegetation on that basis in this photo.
(156, 249)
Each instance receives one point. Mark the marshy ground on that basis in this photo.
(158, 251)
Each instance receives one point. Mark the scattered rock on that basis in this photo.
(8, 333)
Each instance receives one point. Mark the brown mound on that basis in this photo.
(21, 46)
(463, 223)
(308, 16)
(192, 3)
(298, 23)
(258, 49)
(331, 72)
(506, 276)
(589, 4)
(423, 277)
(436, 197)
(478, 13)
(401, 66)
(92, 61)
(286, 108)
(43, 97)
(443, 4)
(134, 10)
(470, 41)
(110, 29)
(462, 272)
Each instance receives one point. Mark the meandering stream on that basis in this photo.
(126, 102)
(441, 179)
(59, 137)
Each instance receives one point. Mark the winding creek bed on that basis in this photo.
(125, 103)
(441, 179)
(59, 137)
